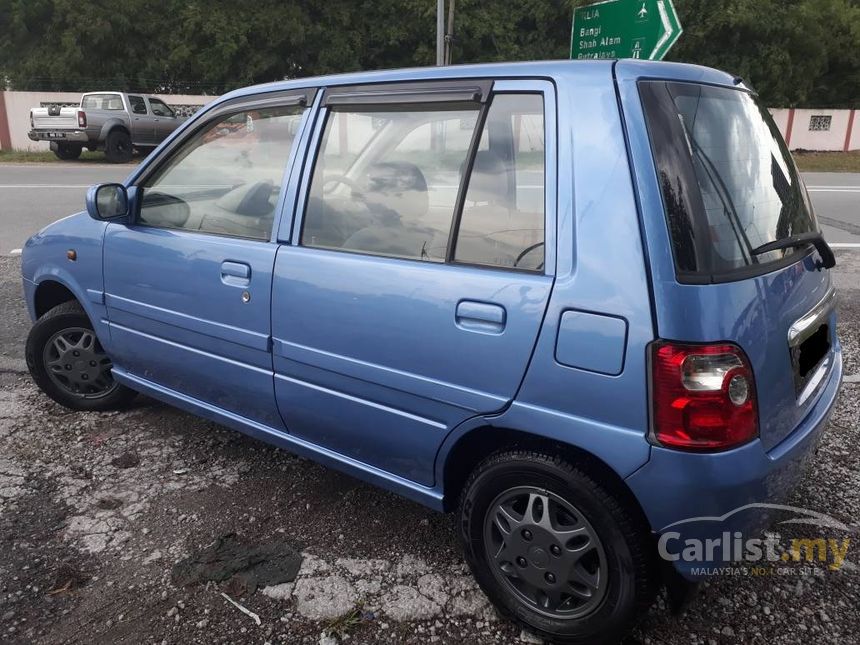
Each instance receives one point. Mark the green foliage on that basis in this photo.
(794, 52)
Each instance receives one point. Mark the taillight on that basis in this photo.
(32, 122)
(82, 119)
(703, 396)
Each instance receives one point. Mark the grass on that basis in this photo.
(342, 626)
(14, 156)
(828, 161)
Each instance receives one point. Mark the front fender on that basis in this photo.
(45, 258)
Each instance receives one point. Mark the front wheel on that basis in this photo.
(68, 363)
(556, 551)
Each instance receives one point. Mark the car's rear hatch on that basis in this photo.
(717, 183)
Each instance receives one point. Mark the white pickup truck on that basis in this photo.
(116, 122)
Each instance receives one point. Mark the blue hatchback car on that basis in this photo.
(574, 302)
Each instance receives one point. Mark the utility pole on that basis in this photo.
(449, 36)
(440, 32)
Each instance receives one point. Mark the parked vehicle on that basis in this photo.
(573, 302)
(115, 122)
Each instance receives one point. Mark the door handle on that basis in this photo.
(235, 274)
(481, 317)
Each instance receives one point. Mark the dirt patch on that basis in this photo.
(247, 565)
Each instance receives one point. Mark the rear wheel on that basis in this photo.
(68, 151)
(555, 550)
(118, 148)
(68, 363)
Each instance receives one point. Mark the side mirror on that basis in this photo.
(107, 201)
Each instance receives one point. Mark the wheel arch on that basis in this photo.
(110, 126)
(53, 286)
(472, 447)
(50, 293)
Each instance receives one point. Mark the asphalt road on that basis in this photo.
(34, 195)
(836, 197)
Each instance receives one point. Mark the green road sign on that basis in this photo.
(644, 29)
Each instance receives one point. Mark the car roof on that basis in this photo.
(556, 70)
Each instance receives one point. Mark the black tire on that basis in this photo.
(144, 151)
(118, 148)
(68, 151)
(71, 316)
(626, 554)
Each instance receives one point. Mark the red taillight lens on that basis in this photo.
(703, 396)
(82, 119)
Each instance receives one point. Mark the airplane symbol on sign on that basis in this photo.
(643, 12)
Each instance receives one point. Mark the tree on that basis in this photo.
(794, 52)
(790, 51)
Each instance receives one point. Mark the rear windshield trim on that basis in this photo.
(670, 147)
(745, 273)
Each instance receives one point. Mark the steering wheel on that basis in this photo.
(528, 250)
(334, 180)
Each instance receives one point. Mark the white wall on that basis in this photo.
(802, 138)
(780, 117)
(854, 143)
(18, 106)
(834, 139)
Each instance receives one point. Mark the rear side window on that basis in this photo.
(729, 183)
(503, 215)
(424, 183)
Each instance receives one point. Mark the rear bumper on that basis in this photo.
(60, 136)
(675, 486)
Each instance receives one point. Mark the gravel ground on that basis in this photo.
(96, 508)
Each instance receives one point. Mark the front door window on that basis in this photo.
(227, 178)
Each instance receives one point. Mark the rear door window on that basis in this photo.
(728, 181)
(425, 183)
(395, 193)
(138, 105)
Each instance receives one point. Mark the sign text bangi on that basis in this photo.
(644, 29)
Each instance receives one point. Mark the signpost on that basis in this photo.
(644, 29)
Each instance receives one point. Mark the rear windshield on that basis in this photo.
(102, 102)
(728, 180)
